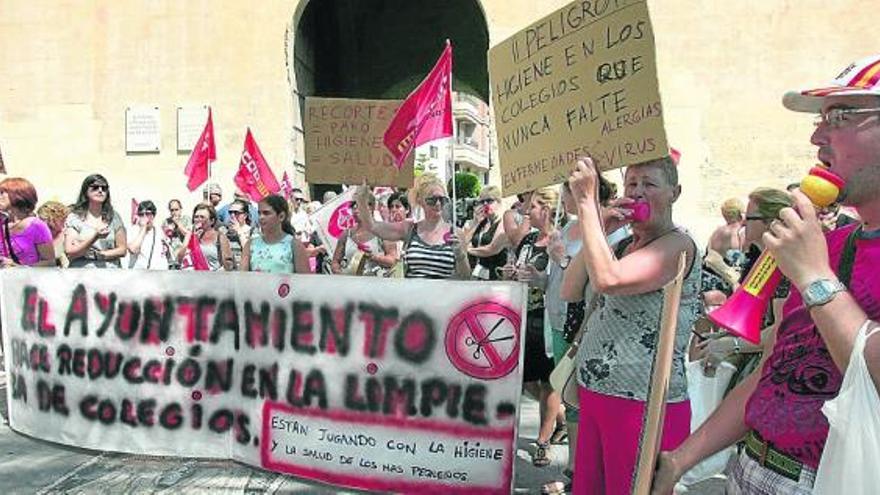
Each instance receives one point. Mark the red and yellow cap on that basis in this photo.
(858, 79)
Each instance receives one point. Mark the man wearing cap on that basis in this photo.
(213, 194)
(299, 219)
(835, 296)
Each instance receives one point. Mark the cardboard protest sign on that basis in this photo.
(581, 81)
(343, 143)
(655, 409)
(365, 383)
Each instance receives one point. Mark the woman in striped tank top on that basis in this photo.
(429, 249)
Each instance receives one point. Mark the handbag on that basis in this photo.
(852, 453)
(563, 378)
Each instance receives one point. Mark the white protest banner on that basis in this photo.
(581, 81)
(343, 143)
(365, 383)
(333, 218)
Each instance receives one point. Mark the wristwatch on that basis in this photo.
(564, 262)
(821, 291)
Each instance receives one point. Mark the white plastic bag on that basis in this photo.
(706, 393)
(850, 463)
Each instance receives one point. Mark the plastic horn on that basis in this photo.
(743, 313)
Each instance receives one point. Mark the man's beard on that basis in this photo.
(862, 187)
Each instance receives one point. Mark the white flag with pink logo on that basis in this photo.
(333, 218)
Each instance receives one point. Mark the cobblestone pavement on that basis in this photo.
(33, 466)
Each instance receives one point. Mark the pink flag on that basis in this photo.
(675, 155)
(426, 114)
(203, 153)
(194, 258)
(286, 187)
(134, 211)
(254, 177)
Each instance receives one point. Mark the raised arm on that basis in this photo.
(300, 258)
(499, 242)
(514, 232)
(134, 246)
(245, 264)
(121, 246)
(644, 270)
(798, 244)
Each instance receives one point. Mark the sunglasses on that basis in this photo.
(99, 187)
(487, 201)
(435, 200)
(236, 212)
(755, 217)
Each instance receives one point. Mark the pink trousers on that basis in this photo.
(608, 440)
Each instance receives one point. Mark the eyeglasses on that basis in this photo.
(486, 201)
(434, 200)
(99, 187)
(236, 212)
(837, 117)
(146, 213)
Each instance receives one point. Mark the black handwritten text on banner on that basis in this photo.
(581, 81)
(373, 384)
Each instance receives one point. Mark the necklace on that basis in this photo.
(630, 248)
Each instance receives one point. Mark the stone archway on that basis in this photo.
(381, 49)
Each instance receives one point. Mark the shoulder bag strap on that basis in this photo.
(152, 247)
(848, 257)
(588, 310)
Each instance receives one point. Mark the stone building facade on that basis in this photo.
(72, 69)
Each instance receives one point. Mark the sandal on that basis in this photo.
(541, 457)
(560, 435)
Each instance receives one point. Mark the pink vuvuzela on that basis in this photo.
(639, 211)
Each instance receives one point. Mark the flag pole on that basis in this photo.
(452, 158)
(214, 139)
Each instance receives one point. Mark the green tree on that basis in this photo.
(467, 185)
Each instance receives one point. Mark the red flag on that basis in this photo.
(426, 114)
(254, 177)
(134, 211)
(194, 257)
(286, 187)
(675, 155)
(203, 153)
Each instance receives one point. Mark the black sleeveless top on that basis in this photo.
(484, 238)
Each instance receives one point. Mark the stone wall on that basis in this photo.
(71, 68)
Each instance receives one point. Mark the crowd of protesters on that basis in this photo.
(595, 272)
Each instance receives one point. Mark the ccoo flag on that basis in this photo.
(426, 114)
(254, 177)
(194, 258)
(203, 153)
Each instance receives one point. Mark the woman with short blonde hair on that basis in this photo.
(430, 250)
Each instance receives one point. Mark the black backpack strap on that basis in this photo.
(848, 257)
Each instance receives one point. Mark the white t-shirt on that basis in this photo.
(301, 224)
(152, 255)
